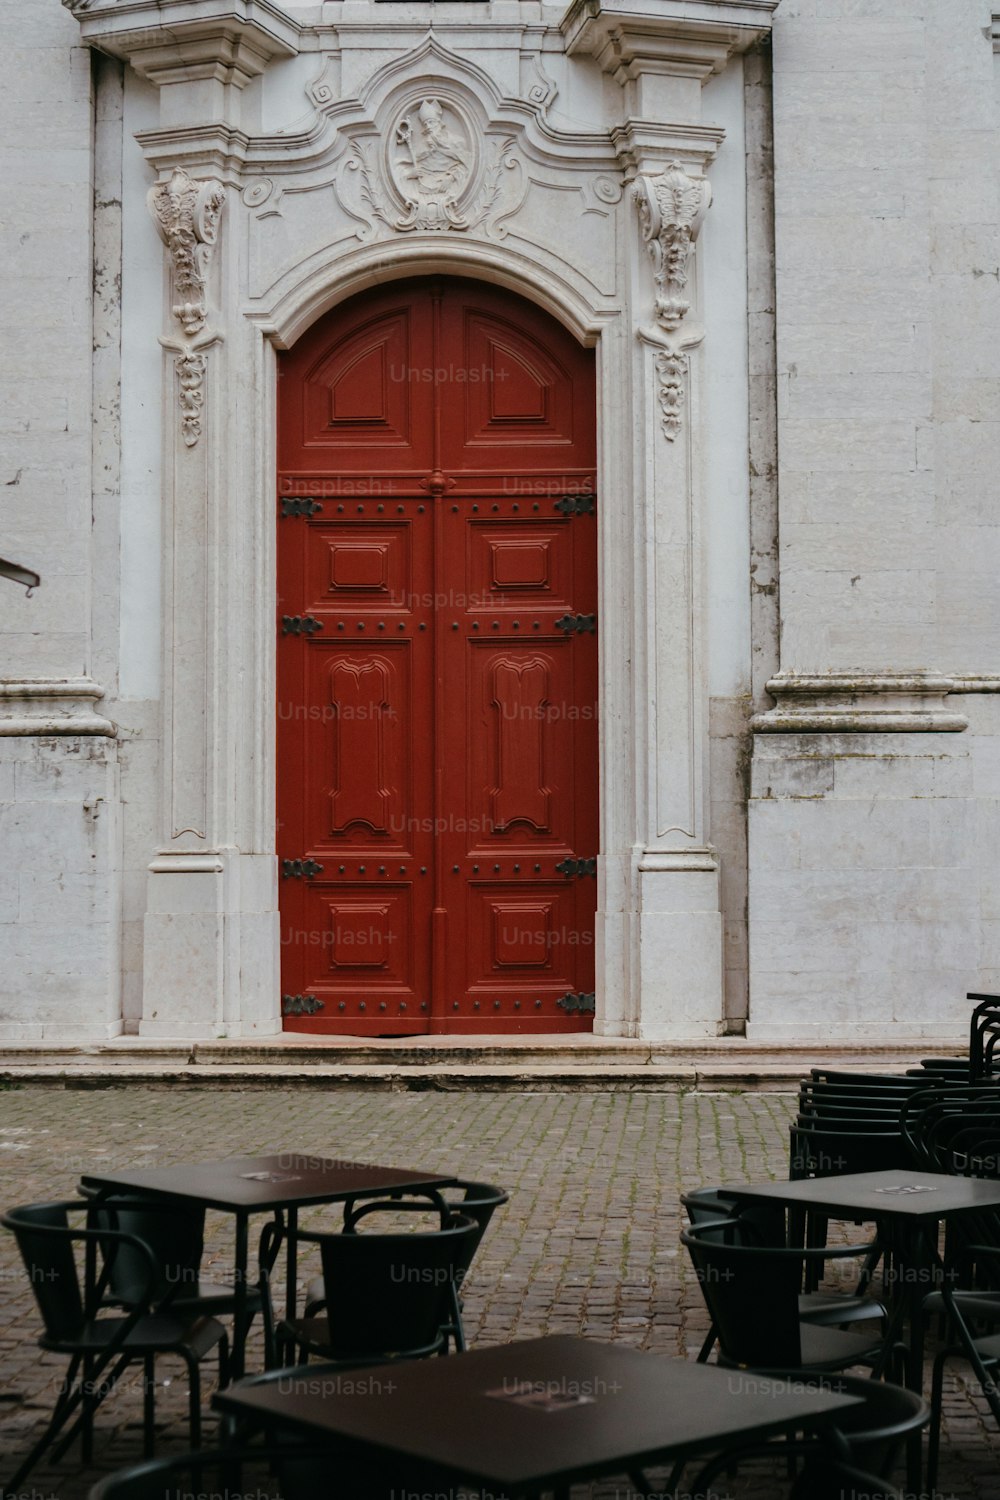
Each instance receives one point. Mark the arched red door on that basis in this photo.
(437, 667)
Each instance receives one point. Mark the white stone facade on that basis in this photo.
(776, 224)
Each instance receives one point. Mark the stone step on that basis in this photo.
(443, 1063)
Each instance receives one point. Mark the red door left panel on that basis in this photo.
(355, 687)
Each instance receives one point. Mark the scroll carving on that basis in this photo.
(672, 208)
(187, 213)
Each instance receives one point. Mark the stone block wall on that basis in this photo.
(873, 883)
(59, 929)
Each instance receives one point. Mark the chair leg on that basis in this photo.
(194, 1399)
(707, 1346)
(67, 1400)
(934, 1436)
(87, 1427)
(223, 1362)
(148, 1405)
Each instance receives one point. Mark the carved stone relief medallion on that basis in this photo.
(431, 160)
(432, 171)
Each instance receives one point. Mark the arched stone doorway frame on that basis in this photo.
(306, 294)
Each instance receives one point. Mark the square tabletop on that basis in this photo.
(872, 1195)
(258, 1184)
(525, 1416)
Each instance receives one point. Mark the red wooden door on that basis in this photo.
(437, 667)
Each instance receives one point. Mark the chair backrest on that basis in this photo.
(389, 1294)
(950, 1128)
(479, 1202)
(874, 1433)
(835, 1153)
(44, 1238)
(984, 1034)
(757, 1223)
(174, 1232)
(752, 1296)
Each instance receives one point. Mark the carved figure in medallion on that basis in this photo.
(432, 166)
(438, 155)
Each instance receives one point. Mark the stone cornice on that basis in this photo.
(860, 702)
(173, 41)
(51, 706)
(693, 37)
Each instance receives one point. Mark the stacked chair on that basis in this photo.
(956, 1129)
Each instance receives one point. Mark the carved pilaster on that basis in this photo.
(672, 207)
(187, 213)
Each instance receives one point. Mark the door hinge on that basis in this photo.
(306, 506)
(303, 1005)
(577, 867)
(295, 869)
(296, 625)
(578, 1004)
(581, 624)
(576, 505)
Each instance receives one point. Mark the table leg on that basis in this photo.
(238, 1358)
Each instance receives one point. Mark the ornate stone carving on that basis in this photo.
(672, 208)
(186, 213)
(430, 174)
(430, 163)
(190, 368)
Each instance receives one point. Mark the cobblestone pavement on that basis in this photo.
(588, 1243)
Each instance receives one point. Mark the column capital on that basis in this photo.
(660, 52)
(200, 54)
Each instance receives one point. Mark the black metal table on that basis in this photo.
(246, 1185)
(907, 1206)
(528, 1417)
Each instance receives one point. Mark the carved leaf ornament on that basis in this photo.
(672, 208)
(187, 212)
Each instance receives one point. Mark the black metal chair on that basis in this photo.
(870, 1437)
(757, 1224)
(175, 1233)
(752, 1295)
(100, 1345)
(386, 1296)
(478, 1201)
(303, 1473)
(982, 1353)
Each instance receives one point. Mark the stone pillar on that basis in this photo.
(660, 61)
(210, 939)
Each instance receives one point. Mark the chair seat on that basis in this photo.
(154, 1334)
(831, 1348)
(213, 1300)
(829, 1309)
(314, 1334)
(827, 1349)
(973, 1304)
